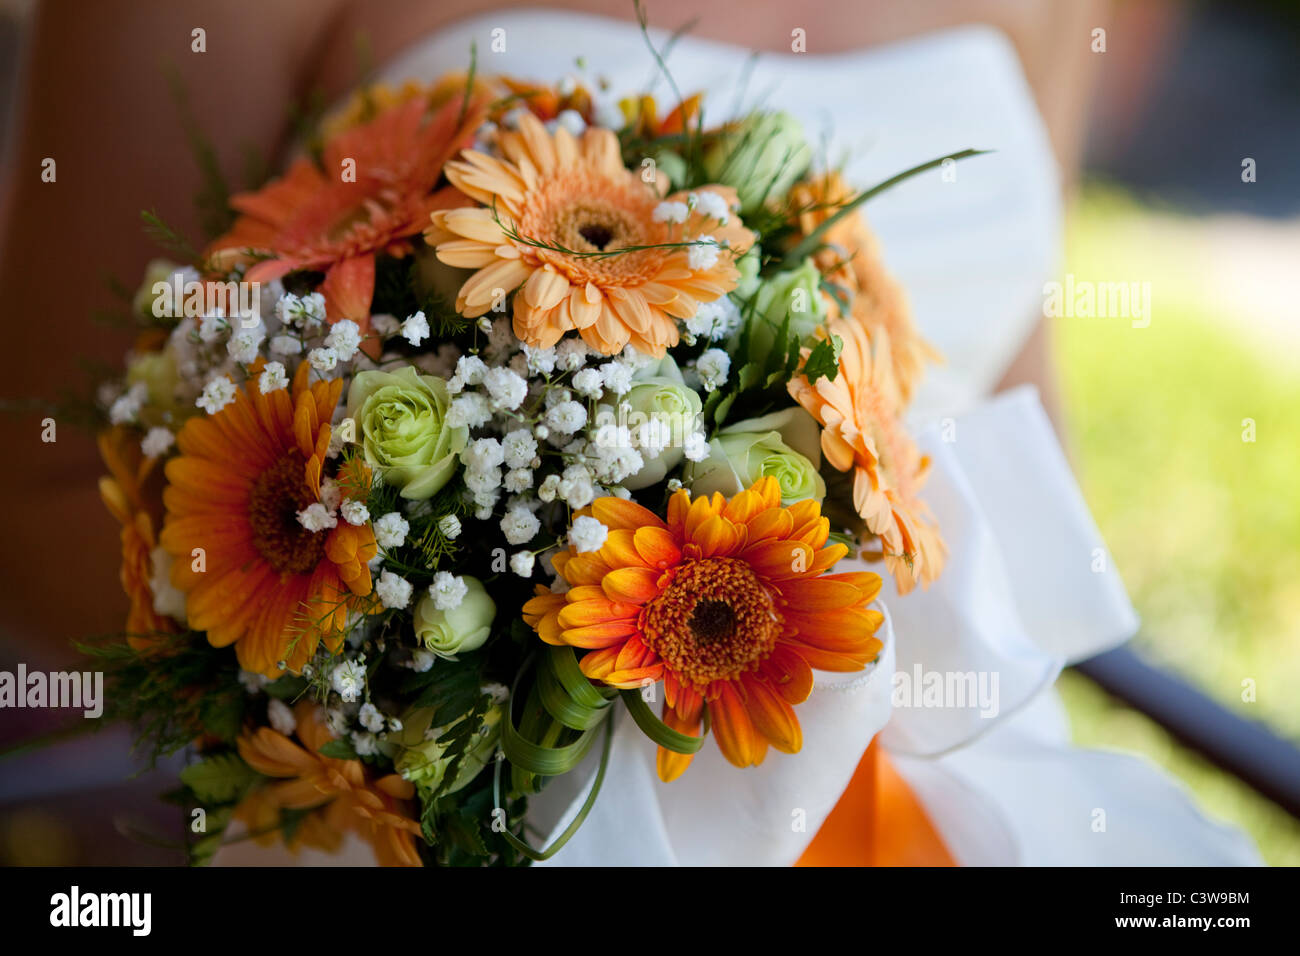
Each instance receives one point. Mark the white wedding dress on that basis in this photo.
(1029, 587)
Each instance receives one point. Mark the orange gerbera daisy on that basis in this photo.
(578, 231)
(371, 194)
(862, 432)
(851, 259)
(122, 491)
(378, 809)
(727, 602)
(266, 584)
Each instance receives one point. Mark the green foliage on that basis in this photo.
(172, 694)
(222, 778)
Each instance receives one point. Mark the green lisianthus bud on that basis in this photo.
(465, 627)
(783, 445)
(761, 157)
(401, 423)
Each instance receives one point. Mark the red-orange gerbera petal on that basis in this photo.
(733, 626)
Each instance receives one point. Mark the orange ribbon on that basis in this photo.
(877, 822)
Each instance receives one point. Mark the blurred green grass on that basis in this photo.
(1203, 526)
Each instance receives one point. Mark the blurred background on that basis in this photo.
(1204, 526)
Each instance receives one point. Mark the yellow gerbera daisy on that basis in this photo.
(586, 240)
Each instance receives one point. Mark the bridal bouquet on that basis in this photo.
(500, 412)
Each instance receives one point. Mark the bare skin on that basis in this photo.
(95, 100)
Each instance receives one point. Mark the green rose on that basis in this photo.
(658, 394)
(761, 157)
(464, 628)
(401, 425)
(158, 270)
(793, 294)
(784, 445)
(157, 371)
(425, 762)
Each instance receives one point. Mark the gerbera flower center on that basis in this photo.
(596, 216)
(277, 496)
(714, 622)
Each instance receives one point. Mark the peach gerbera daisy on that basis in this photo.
(851, 259)
(567, 222)
(372, 192)
(345, 797)
(727, 602)
(862, 433)
(266, 584)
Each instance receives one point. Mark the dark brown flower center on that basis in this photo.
(715, 621)
(277, 496)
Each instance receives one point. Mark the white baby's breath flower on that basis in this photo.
(253, 682)
(572, 121)
(617, 377)
(324, 359)
(416, 328)
(589, 383)
(702, 255)
(281, 716)
(391, 530)
(470, 369)
(156, 442)
(244, 344)
(517, 480)
(570, 354)
(422, 661)
(316, 517)
(483, 453)
(587, 534)
(385, 325)
(711, 205)
(344, 339)
(365, 745)
(470, 410)
(671, 212)
(286, 345)
(273, 378)
(567, 417)
(449, 525)
(521, 562)
(519, 525)
(370, 718)
(519, 447)
(355, 512)
(448, 590)
(695, 446)
(507, 388)
(217, 394)
(127, 408)
(349, 679)
(549, 488)
(713, 367)
(393, 591)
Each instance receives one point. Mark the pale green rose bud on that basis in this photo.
(158, 270)
(793, 293)
(784, 445)
(425, 762)
(463, 628)
(157, 371)
(663, 402)
(401, 426)
(761, 157)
